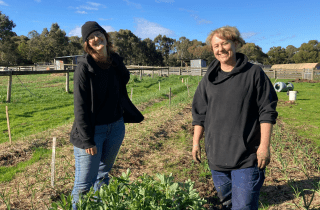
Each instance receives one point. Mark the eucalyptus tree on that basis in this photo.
(150, 56)
(291, 51)
(127, 45)
(308, 53)
(75, 45)
(58, 42)
(253, 52)
(277, 55)
(163, 45)
(34, 43)
(7, 44)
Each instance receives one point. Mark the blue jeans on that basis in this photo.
(93, 170)
(239, 188)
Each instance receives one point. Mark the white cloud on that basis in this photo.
(95, 4)
(81, 12)
(248, 35)
(165, 1)
(200, 21)
(146, 29)
(186, 10)
(77, 30)
(103, 19)
(87, 7)
(129, 3)
(82, 9)
(2, 3)
(108, 28)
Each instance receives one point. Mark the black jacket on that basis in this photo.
(231, 110)
(85, 106)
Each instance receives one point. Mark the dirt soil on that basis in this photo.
(305, 80)
(151, 147)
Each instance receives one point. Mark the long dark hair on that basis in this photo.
(88, 49)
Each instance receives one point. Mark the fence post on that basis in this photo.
(53, 161)
(8, 124)
(312, 72)
(168, 71)
(200, 71)
(9, 87)
(274, 73)
(152, 73)
(180, 71)
(170, 97)
(140, 74)
(67, 79)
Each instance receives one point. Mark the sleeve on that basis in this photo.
(266, 99)
(200, 104)
(82, 106)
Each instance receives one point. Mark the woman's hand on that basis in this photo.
(196, 153)
(92, 150)
(196, 149)
(263, 156)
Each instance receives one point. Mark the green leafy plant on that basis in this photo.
(144, 193)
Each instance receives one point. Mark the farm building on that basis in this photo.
(196, 65)
(297, 66)
(59, 62)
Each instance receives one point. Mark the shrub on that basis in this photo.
(145, 193)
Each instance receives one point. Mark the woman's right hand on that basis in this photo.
(92, 150)
(196, 153)
(196, 149)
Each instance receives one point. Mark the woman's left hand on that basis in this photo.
(92, 150)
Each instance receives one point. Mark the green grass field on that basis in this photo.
(39, 102)
(302, 117)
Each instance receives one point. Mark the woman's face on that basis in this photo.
(224, 50)
(97, 41)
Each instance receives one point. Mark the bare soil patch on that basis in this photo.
(298, 80)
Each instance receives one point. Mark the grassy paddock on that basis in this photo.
(39, 102)
(302, 117)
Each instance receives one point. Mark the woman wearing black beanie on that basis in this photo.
(101, 107)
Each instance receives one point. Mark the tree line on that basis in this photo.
(161, 51)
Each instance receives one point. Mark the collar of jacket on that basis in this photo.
(87, 58)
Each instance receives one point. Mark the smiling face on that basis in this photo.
(224, 50)
(97, 41)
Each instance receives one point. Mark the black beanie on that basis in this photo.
(88, 28)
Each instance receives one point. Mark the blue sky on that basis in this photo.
(265, 23)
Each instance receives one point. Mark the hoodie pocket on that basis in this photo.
(225, 150)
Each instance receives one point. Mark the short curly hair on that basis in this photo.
(226, 32)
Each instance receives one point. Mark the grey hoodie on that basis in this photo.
(231, 110)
